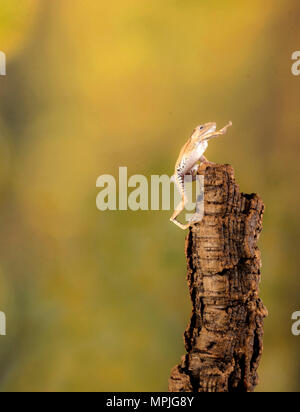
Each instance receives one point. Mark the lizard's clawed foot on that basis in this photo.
(197, 218)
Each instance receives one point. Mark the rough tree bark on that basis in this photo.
(224, 337)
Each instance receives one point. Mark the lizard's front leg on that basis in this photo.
(194, 171)
(218, 133)
(205, 162)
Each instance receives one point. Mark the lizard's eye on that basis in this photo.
(201, 127)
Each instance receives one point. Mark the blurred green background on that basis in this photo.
(98, 301)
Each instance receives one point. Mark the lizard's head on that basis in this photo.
(204, 131)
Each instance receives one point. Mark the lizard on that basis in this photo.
(187, 163)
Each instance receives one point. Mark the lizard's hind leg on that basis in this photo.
(177, 212)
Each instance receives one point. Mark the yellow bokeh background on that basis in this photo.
(97, 301)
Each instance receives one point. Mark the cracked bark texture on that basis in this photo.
(224, 337)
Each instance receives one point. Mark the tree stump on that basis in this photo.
(224, 337)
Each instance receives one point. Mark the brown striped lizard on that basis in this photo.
(187, 162)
